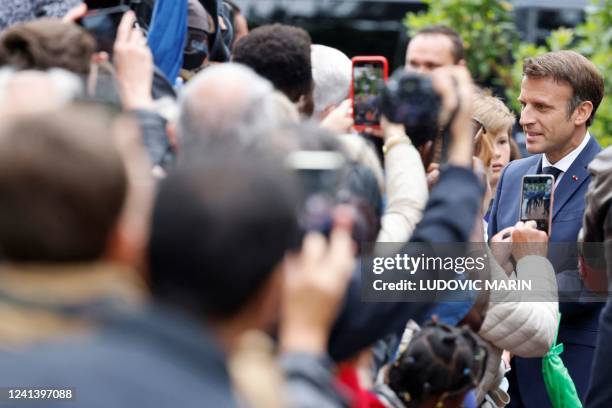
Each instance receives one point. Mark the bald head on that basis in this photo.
(223, 101)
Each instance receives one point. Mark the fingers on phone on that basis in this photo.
(125, 27)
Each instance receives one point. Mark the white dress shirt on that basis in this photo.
(565, 163)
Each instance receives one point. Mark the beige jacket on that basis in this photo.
(407, 193)
(522, 322)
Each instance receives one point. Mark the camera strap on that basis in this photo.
(446, 129)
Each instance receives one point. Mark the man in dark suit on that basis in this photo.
(596, 259)
(560, 93)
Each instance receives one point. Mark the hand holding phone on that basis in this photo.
(368, 79)
(102, 24)
(134, 67)
(537, 200)
(527, 241)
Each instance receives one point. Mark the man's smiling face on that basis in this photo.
(544, 117)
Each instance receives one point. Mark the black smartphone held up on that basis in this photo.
(368, 80)
(537, 200)
(102, 24)
(101, 4)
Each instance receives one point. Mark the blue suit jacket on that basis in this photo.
(579, 323)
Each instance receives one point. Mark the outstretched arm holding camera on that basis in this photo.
(405, 185)
(448, 217)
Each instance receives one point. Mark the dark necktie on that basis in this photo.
(553, 171)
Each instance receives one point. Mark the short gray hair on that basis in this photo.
(226, 103)
(331, 70)
(67, 86)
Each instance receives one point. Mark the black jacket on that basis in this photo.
(449, 217)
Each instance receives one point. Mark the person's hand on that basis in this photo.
(133, 64)
(316, 282)
(506, 357)
(501, 247)
(340, 119)
(454, 85)
(75, 13)
(433, 175)
(376, 132)
(527, 240)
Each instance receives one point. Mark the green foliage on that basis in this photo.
(592, 39)
(489, 33)
(595, 39)
(558, 40)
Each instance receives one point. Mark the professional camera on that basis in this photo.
(410, 99)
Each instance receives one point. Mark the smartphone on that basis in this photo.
(368, 79)
(318, 174)
(317, 171)
(100, 4)
(102, 24)
(537, 200)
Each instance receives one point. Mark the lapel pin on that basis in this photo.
(575, 178)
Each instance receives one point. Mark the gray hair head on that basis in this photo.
(226, 103)
(34, 91)
(331, 70)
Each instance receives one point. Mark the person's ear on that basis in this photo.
(462, 62)
(120, 249)
(264, 307)
(305, 105)
(582, 113)
(128, 240)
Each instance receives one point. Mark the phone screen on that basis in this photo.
(368, 83)
(536, 200)
(102, 24)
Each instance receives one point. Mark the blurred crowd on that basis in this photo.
(183, 216)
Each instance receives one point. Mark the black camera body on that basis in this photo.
(142, 8)
(410, 98)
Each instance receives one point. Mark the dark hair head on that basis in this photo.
(441, 361)
(571, 68)
(457, 50)
(47, 43)
(221, 225)
(62, 187)
(281, 54)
